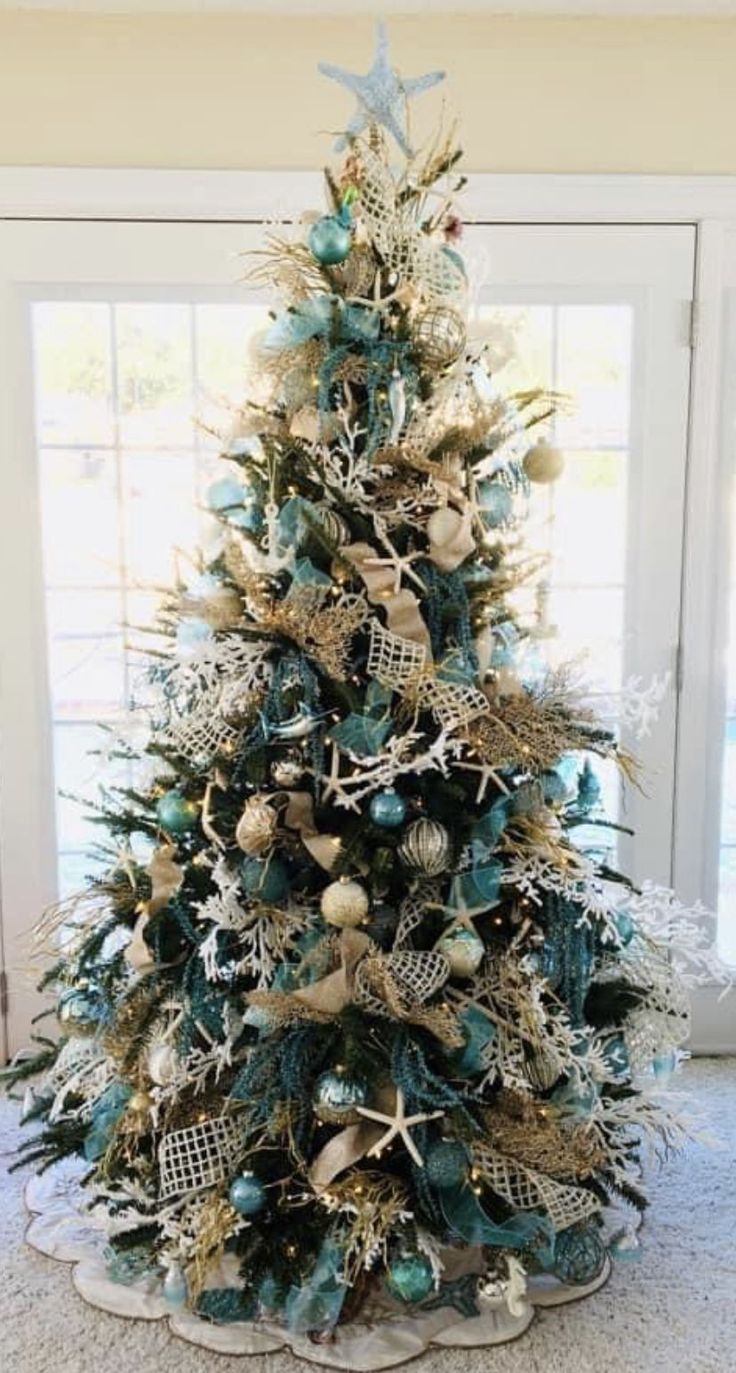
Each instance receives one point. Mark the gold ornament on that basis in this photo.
(344, 903)
(333, 525)
(463, 949)
(543, 463)
(256, 827)
(439, 335)
(426, 847)
(140, 1103)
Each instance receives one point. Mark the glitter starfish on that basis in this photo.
(382, 94)
(398, 1124)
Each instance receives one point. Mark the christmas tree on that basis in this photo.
(350, 1024)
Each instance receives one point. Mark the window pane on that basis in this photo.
(71, 343)
(136, 377)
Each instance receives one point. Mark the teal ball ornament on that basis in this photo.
(337, 1095)
(329, 241)
(247, 1194)
(265, 879)
(579, 1254)
(463, 949)
(225, 495)
(495, 503)
(446, 1164)
(176, 813)
(410, 1278)
(625, 928)
(388, 809)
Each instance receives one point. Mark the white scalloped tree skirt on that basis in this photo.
(60, 1229)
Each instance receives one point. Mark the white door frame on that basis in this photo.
(708, 203)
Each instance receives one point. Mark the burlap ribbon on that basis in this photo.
(299, 816)
(352, 1144)
(449, 552)
(166, 878)
(402, 607)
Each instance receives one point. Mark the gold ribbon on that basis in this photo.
(402, 607)
(166, 878)
(299, 816)
(351, 1144)
(327, 997)
(449, 552)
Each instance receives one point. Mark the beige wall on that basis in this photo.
(242, 91)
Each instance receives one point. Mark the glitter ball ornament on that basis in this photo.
(494, 503)
(410, 1278)
(176, 813)
(288, 770)
(579, 1254)
(247, 1194)
(446, 1164)
(388, 809)
(543, 463)
(162, 1064)
(358, 273)
(439, 335)
(336, 1097)
(81, 1008)
(463, 949)
(344, 903)
(264, 879)
(329, 241)
(426, 847)
(256, 827)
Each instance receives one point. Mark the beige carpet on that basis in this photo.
(672, 1309)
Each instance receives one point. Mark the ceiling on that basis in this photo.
(385, 8)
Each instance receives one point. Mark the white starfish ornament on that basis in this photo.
(382, 94)
(397, 1125)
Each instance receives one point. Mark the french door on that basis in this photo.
(115, 336)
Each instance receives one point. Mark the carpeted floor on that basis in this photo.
(673, 1308)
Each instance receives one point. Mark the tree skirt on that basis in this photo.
(61, 1229)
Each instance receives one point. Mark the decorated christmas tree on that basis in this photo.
(350, 1027)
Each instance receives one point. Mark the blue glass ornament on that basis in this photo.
(337, 1095)
(554, 788)
(247, 1194)
(625, 927)
(446, 1164)
(576, 1100)
(410, 1278)
(190, 634)
(329, 241)
(225, 494)
(174, 1287)
(477, 1031)
(579, 1254)
(388, 809)
(265, 878)
(663, 1066)
(616, 1056)
(176, 813)
(81, 1007)
(494, 503)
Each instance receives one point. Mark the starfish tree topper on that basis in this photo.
(382, 94)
